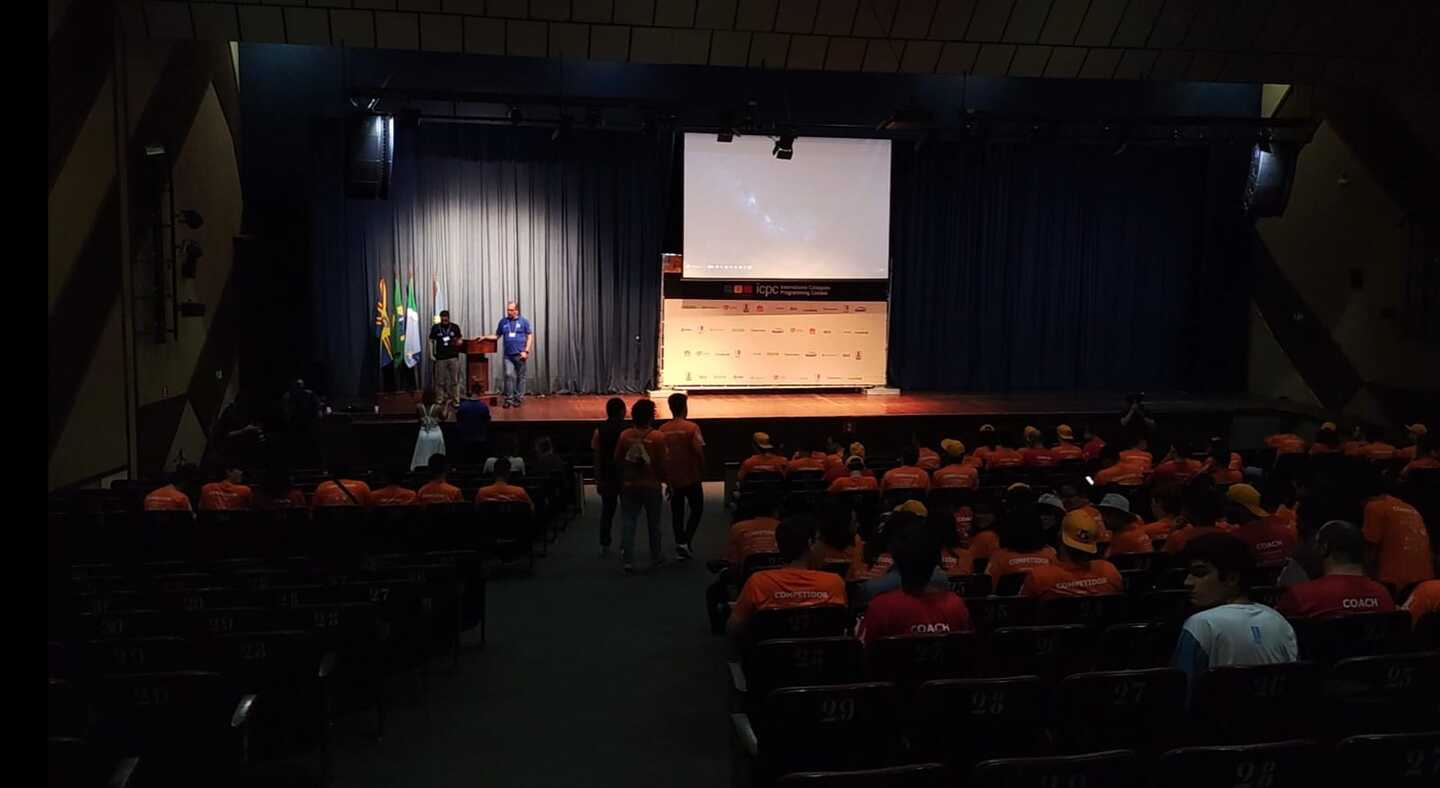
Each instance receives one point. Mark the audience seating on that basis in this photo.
(918, 658)
(1383, 694)
(800, 622)
(843, 726)
(796, 662)
(1355, 635)
(1048, 651)
(1135, 709)
(1403, 760)
(965, 720)
(1246, 705)
(1112, 769)
(1281, 764)
(920, 775)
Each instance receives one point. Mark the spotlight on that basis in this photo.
(190, 264)
(784, 147)
(191, 218)
(515, 115)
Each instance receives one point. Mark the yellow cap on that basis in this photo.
(987, 427)
(1329, 426)
(913, 507)
(857, 449)
(1031, 433)
(1248, 497)
(1080, 531)
(1017, 487)
(762, 440)
(953, 447)
(1065, 432)
(1416, 429)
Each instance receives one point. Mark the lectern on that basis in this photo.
(477, 362)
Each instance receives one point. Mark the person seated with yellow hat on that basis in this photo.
(764, 460)
(956, 474)
(1077, 570)
(1270, 540)
(1065, 448)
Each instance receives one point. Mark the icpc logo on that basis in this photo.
(767, 290)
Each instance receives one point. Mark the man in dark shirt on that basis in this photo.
(445, 340)
(516, 340)
(473, 418)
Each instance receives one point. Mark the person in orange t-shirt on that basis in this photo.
(1327, 439)
(985, 443)
(1036, 454)
(841, 468)
(1115, 471)
(1077, 570)
(1416, 433)
(791, 586)
(1424, 599)
(1022, 545)
(859, 478)
(501, 489)
(227, 494)
(764, 460)
(1139, 452)
(908, 476)
(640, 453)
(1222, 465)
(1428, 458)
(1200, 508)
(1004, 455)
(1399, 545)
(1165, 506)
(927, 458)
(439, 489)
(1177, 468)
(808, 461)
(1286, 443)
(340, 490)
(172, 497)
(390, 492)
(838, 542)
(1127, 534)
(1065, 449)
(956, 474)
(753, 531)
(684, 469)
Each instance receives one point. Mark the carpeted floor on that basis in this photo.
(590, 678)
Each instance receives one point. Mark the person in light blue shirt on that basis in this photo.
(517, 339)
(1229, 629)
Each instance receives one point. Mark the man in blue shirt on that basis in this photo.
(516, 341)
(473, 418)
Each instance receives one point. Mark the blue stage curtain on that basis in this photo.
(571, 229)
(1031, 267)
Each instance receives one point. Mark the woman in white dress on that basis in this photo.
(430, 440)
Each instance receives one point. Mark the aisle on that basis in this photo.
(590, 678)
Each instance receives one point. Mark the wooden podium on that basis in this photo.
(477, 362)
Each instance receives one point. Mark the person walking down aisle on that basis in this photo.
(607, 470)
(684, 469)
(640, 452)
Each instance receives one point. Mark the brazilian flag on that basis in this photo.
(397, 339)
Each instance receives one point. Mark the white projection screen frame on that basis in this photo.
(786, 267)
(825, 214)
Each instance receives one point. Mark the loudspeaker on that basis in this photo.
(1272, 170)
(369, 156)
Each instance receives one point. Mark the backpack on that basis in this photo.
(637, 458)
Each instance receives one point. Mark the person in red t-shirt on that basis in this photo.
(1004, 455)
(915, 608)
(684, 470)
(909, 475)
(956, 473)
(1093, 444)
(1177, 468)
(1065, 449)
(1344, 588)
(439, 489)
(227, 494)
(1036, 454)
(793, 585)
(984, 443)
(1223, 465)
(389, 492)
(1270, 539)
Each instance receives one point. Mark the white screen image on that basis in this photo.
(825, 214)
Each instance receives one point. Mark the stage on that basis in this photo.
(883, 422)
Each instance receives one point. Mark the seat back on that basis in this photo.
(1009, 583)
(1399, 760)
(1355, 635)
(920, 775)
(1255, 703)
(970, 585)
(912, 659)
(970, 719)
(1427, 631)
(843, 726)
(798, 662)
(1167, 606)
(799, 622)
(1284, 764)
(1050, 651)
(1134, 646)
(1130, 561)
(1112, 769)
(993, 612)
(1095, 611)
(1138, 709)
(176, 716)
(1384, 694)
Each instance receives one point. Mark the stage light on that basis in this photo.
(191, 218)
(784, 147)
(190, 264)
(515, 116)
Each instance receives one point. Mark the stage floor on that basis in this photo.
(714, 406)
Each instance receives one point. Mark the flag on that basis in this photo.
(397, 340)
(412, 327)
(383, 323)
(439, 296)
